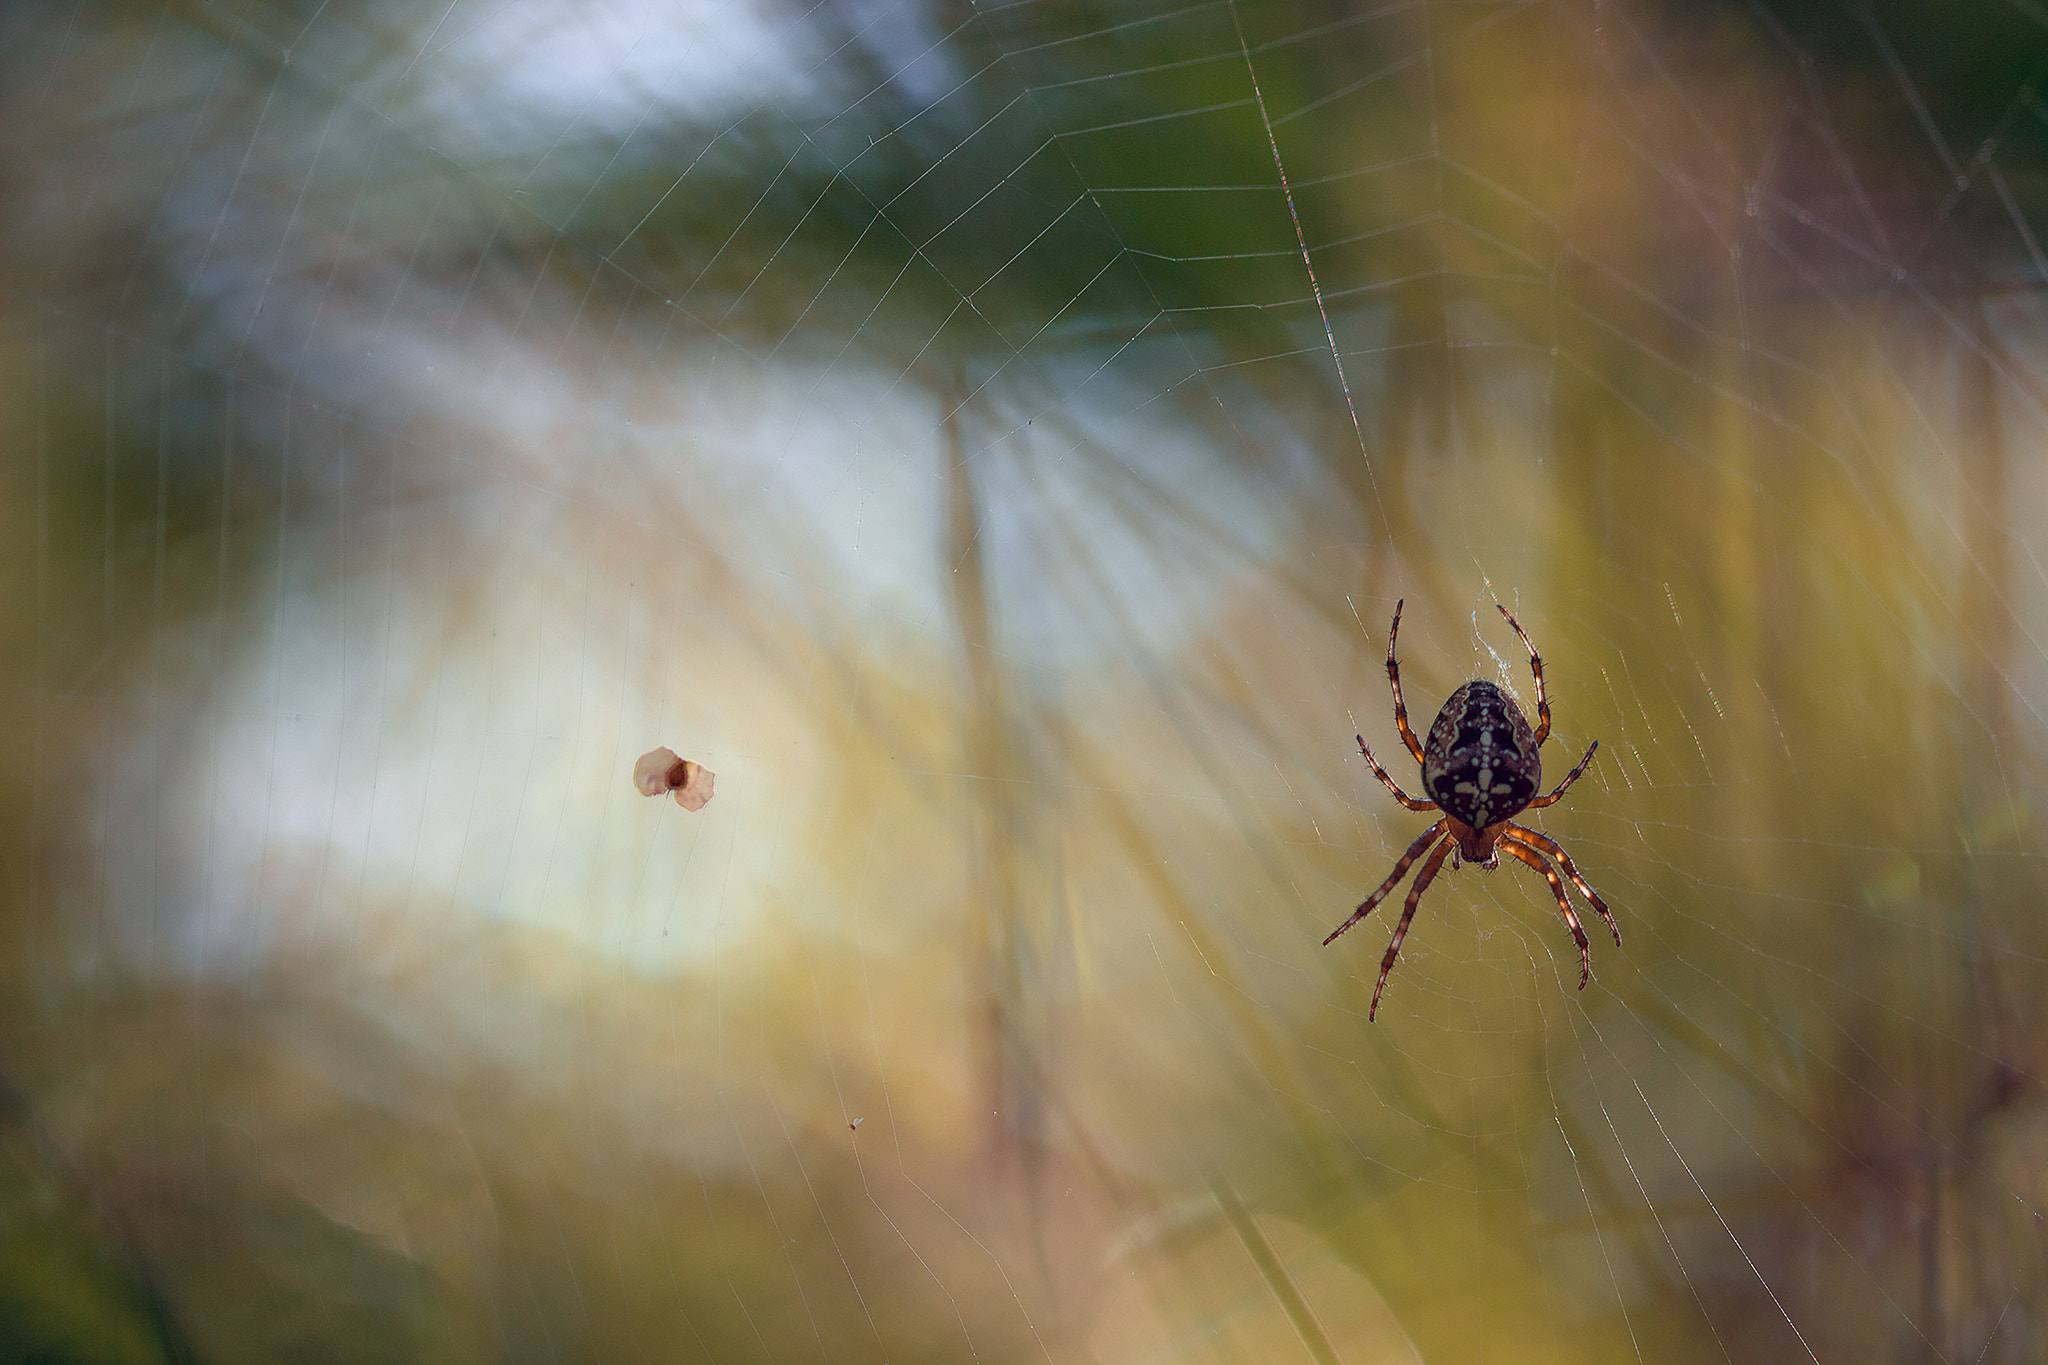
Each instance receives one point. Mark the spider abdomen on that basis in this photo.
(1481, 763)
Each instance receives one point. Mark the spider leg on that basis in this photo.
(1536, 667)
(1522, 834)
(1415, 850)
(1569, 778)
(1394, 678)
(1403, 797)
(1422, 881)
(1535, 860)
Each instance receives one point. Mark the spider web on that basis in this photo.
(992, 438)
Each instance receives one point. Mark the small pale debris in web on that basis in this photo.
(661, 771)
(855, 1124)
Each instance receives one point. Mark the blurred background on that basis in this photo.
(993, 438)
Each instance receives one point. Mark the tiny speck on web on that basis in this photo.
(660, 771)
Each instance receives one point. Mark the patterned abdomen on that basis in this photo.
(1480, 762)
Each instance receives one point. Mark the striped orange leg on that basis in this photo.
(1394, 680)
(1535, 860)
(1422, 881)
(1569, 778)
(1404, 798)
(1536, 667)
(1522, 834)
(1415, 850)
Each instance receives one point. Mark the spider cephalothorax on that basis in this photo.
(1481, 768)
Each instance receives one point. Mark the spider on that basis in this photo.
(1482, 767)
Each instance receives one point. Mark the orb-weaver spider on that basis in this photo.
(1481, 767)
